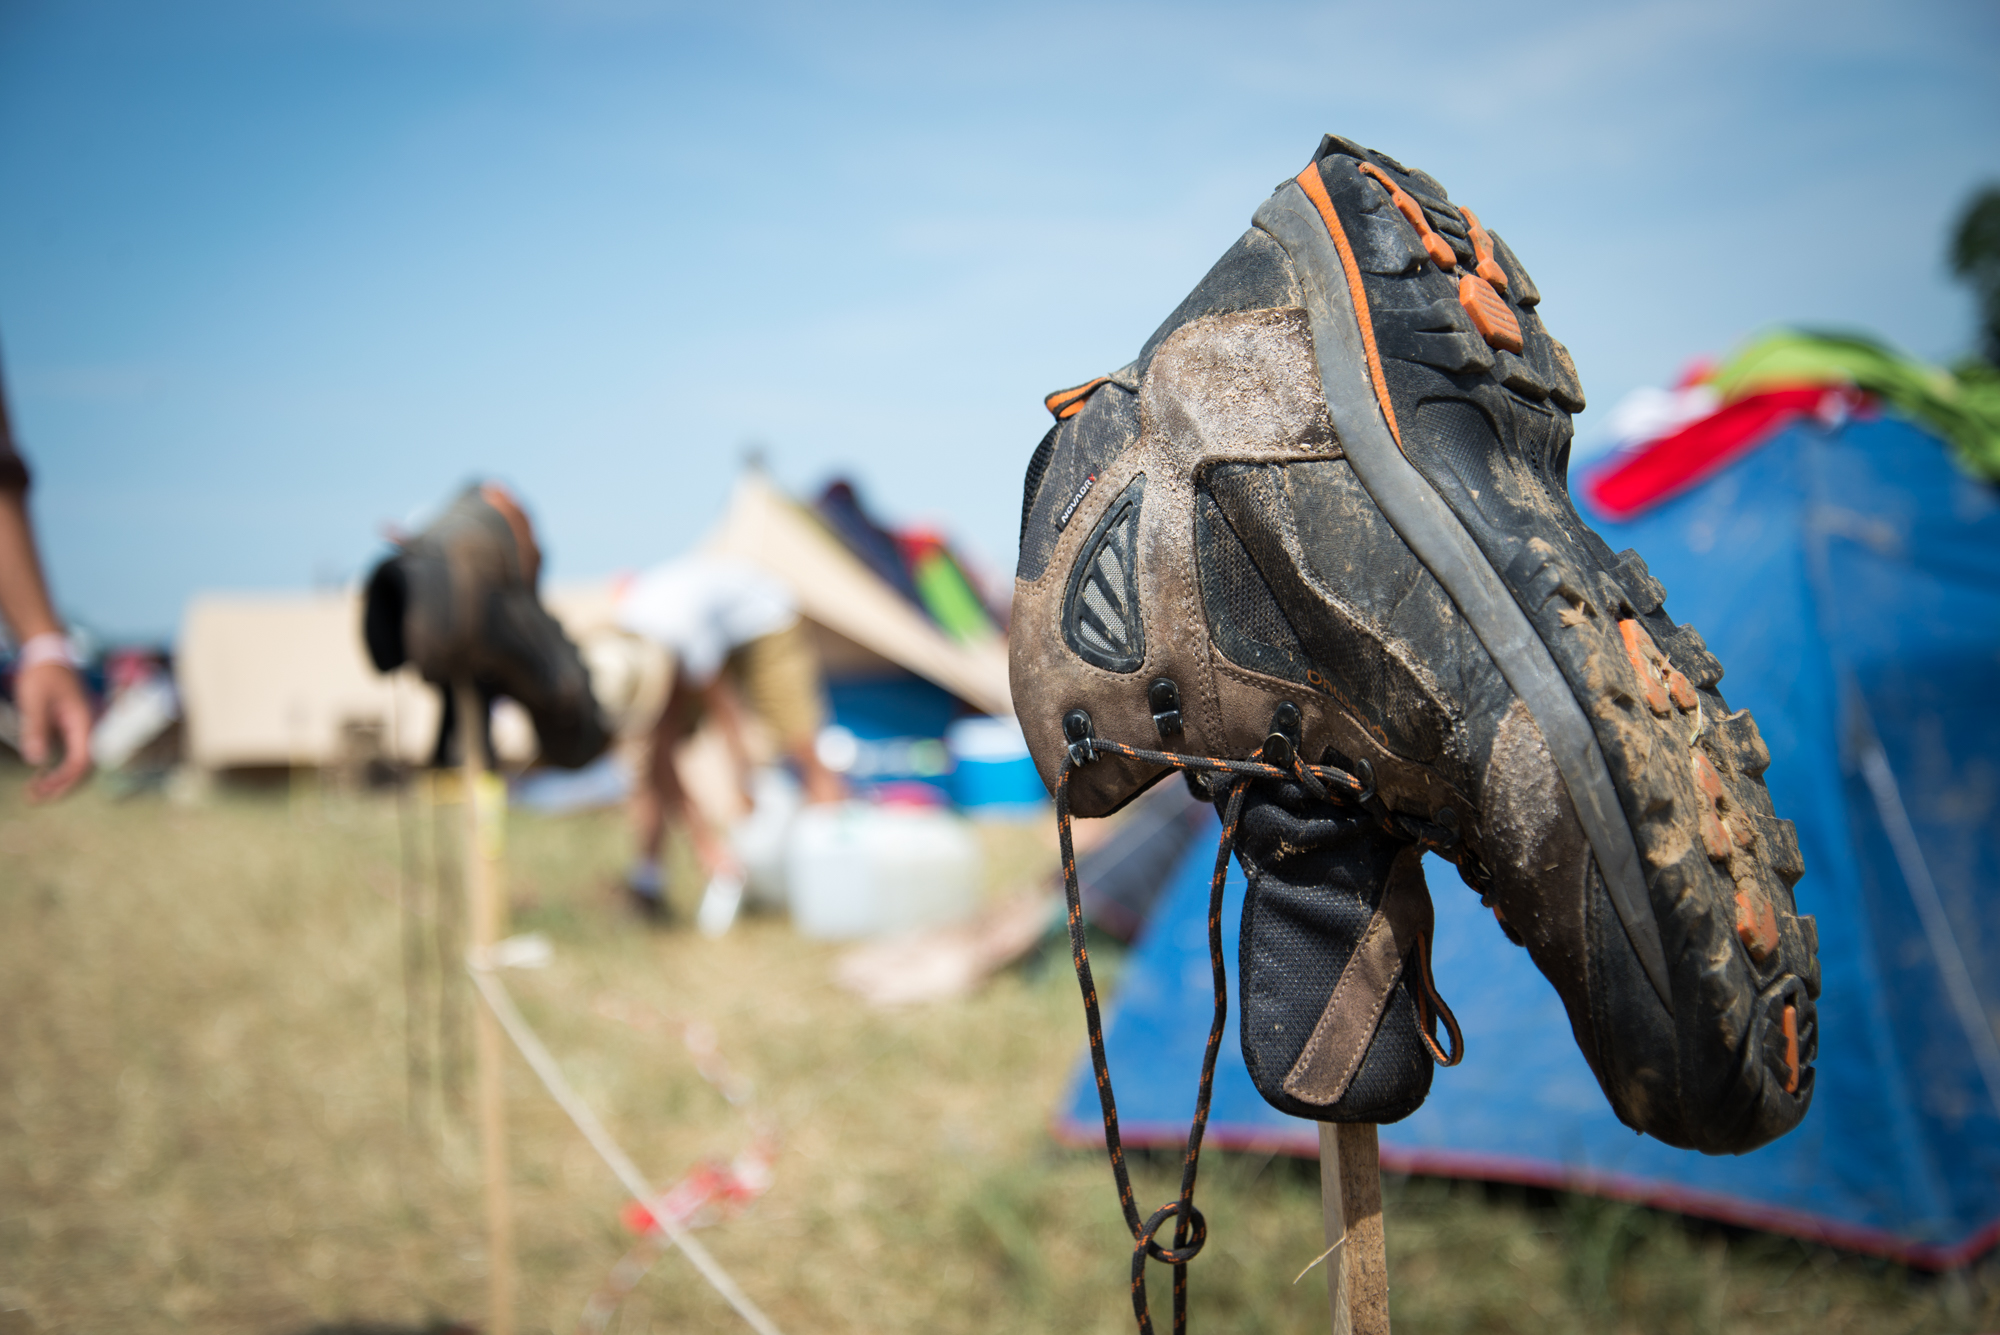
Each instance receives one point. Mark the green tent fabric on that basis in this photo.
(1964, 407)
(949, 596)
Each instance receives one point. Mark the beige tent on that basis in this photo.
(283, 679)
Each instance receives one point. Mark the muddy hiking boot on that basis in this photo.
(1335, 479)
(458, 601)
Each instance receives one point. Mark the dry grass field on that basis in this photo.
(207, 1123)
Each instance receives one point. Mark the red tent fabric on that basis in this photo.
(1686, 458)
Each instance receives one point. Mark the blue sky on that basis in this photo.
(274, 275)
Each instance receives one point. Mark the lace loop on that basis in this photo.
(1325, 782)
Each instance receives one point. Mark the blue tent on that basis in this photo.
(1848, 576)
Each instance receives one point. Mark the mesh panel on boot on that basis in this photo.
(1244, 619)
(1101, 614)
(1031, 486)
(1462, 435)
(1347, 549)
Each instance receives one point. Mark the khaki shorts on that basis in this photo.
(778, 675)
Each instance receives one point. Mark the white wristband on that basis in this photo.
(51, 646)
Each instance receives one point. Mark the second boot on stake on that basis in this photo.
(458, 601)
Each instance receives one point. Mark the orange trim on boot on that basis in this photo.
(1316, 191)
(1067, 403)
(525, 545)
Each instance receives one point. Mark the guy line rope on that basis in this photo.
(496, 996)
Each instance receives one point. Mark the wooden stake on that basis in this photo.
(483, 899)
(1357, 1275)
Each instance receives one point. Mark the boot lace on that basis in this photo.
(1326, 782)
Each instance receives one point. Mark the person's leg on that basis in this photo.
(657, 797)
(781, 677)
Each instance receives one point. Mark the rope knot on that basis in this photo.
(1190, 1238)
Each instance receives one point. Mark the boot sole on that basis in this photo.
(1569, 632)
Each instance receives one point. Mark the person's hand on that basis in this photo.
(53, 706)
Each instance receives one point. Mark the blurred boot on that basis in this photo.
(458, 601)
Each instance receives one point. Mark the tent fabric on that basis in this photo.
(1964, 409)
(1762, 388)
(837, 590)
(1849, 578)
(1691, 454)
(839, 508)
(1120, 879)
(282, 679)
(944, 589)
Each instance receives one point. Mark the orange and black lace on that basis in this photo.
(1323, 781)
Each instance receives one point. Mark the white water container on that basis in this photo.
(856, 870)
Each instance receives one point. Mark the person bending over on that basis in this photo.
(736, 639)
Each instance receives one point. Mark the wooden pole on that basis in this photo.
(483, 899)
(1357, 1275)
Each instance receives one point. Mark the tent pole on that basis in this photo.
(482, 893)
(1357, 1275)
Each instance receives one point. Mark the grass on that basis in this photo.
(206, 1123)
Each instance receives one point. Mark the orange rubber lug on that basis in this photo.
(1681, 691)
(1707, 779)
(1791, 1025)
(1714, 836)
(1640, 650)
(1636, 644)
(1435, 246)
(1491, 315)
(1482, 249)
(1756, 925)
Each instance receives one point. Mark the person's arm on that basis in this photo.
(47, 692)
